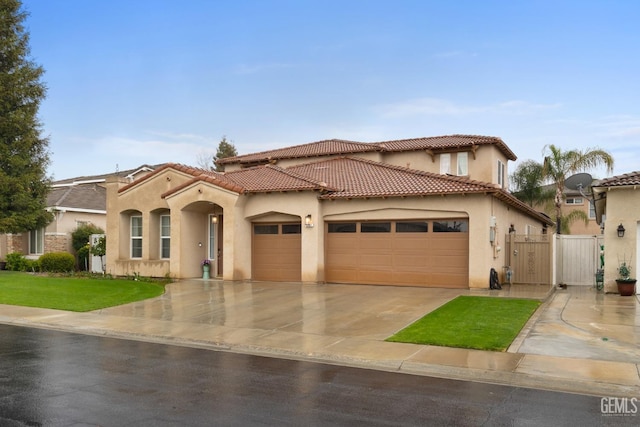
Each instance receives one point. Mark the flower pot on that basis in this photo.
(626, 287)
(205, 271)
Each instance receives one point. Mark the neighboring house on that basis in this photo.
(617, 203)
(417, 212)
(73, 202)
(574, 200)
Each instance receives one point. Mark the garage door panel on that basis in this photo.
(411, 278)
(411, 262)
(377, 261)
(431, 259)
(410, 244)
(277, 257)
(375, 276)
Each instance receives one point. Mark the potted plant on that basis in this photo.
(626, 284)
(206, 265)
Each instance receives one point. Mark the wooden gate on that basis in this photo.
(529, 257)
(578, 259)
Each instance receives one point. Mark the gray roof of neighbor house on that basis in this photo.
(86, 197)
(103, 177)
(333, 147)
(86, 193)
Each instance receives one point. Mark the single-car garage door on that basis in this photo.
(276, 252)
(430, 253)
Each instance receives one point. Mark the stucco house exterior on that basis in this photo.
(617, 204)
(417, 212)
(73, 202)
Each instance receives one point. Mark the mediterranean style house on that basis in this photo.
(73, 202)
(617, 206)
(414, 212)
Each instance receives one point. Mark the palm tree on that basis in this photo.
(559, 164)
(527, 183)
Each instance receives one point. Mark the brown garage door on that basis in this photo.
(276, 252)
(430, 253)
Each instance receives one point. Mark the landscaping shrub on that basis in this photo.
(16, 262)
(80, 242)
(57, 262)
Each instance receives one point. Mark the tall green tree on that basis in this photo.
(24, 154)
(559, 165)
(527, 183)
(225, 149)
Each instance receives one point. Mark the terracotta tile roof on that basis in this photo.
(319, 148)
(358, 178)
(342, 147)
(210, 177)
(632, 178)
(80, 196)
(270, 178)
(446, 142)
(259, 179)
(342, 178)
(176, 166)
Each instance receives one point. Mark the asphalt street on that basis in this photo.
(52, 378)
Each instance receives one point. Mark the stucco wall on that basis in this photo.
(623, 207)
(191, 206)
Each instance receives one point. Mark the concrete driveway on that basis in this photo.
(561, 348)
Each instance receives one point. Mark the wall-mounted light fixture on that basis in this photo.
(308, 221)
(512, 229)
(214, 219)
(620, 230)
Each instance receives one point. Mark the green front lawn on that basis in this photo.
(483, 323)
(72, 293)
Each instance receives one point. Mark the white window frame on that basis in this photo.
(501, 173)
(574, 201)
(445, 164)
(36, 238)
(462, 160)
(212, 238)
(592, 210)
(135, 237)
(165, 236)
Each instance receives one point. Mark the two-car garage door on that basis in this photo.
(433, 253)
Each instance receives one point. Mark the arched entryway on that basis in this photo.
(201, 238)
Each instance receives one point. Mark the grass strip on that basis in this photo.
(72, 293)
(483, 323)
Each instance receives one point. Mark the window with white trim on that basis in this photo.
(36, 241)
(165, 236)
(463, 164)
(445, 164)
(212, 238)
(501, 177)
(136, 236)
(574, 201)
(592, 210)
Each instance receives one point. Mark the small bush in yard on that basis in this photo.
(16, 262)
(57, 262)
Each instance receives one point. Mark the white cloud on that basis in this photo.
(437, 106)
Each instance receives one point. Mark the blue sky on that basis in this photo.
(152, 81)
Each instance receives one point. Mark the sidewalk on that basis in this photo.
(579, 341)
